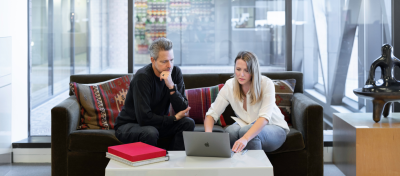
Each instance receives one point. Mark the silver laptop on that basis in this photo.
(207, 144)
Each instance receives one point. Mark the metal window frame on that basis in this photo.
(50, 51)
(29, 64)
(131, 36)
(88, 37)
(72, 36)
(288, 35)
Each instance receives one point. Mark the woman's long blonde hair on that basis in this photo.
(254, 69)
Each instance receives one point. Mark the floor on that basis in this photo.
(45, 170)
(25, 169)
(41, 115)
(331, 170)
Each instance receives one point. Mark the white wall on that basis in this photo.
(13, 22)
(19, 69)
(5, 30)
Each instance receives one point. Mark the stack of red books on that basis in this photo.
(137, 154)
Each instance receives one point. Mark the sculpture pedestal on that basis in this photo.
(363, 147)
(381, 101)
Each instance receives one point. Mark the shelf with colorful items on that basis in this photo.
(156, 25)
(141, 9)
(145, 37)
(156, 29)
(150, 22)
(202, 7)
(157, 15)
(179, 11)
(140, 26)
(179, 8)
(140, 38)
(157, 21)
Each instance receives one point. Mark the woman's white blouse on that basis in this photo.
(265, 108)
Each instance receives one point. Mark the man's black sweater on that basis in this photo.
(148, 99)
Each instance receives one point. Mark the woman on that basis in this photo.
(252, 97)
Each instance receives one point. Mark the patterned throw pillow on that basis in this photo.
(101, 102)
(283, 97)
(200, 100)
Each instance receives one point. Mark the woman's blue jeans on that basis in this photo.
(270, 138)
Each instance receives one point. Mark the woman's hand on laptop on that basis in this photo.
(182, 114)
(239, 145)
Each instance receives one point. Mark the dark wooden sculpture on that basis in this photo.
(382, 94)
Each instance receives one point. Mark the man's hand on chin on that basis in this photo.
(166, 76)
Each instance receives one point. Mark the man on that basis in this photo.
(154, 87)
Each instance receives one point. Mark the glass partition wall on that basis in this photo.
(91, 36)
(72, 37)
(334, 45)
(212, 32)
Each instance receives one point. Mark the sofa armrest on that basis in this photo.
(307, 117)
(64, 119)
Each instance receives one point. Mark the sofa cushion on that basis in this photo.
(101, 102)
(283, 97)
(200, 100)
(92, 140)
(200, 128)
(294, 142)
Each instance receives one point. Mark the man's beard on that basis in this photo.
(159, 72)
(162, 71)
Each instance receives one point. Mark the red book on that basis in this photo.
(137, 151)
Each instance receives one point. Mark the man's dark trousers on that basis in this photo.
(133, 132)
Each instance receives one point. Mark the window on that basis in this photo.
(352, 73)
(72, 37)
(91, 37)
(336, 42)
(212, 32)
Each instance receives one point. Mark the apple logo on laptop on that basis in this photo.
(207, 144)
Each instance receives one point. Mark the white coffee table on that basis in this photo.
(254, 162)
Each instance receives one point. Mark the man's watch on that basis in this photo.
(173, 89)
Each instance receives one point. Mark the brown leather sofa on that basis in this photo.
(82, 152)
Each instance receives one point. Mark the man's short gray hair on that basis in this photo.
(160, 44)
